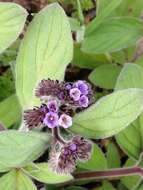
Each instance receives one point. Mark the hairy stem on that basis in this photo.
(57, 136)
(114, 173)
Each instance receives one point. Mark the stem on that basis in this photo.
(56, 135)
(135, 170)
(80, 13)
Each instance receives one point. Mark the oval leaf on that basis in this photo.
(12, 19)
(105, 76)
(10, 111)
(110, 114)
(130, 139)
(43, 173)
(113, 35)
(45, 52)
(16, 180)
(19, 148)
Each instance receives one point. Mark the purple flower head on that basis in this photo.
(52, 106)
(49, 88)
(83, 148)
(65, 121)
(64, 161)
(51, 120)
(82, 86)
(75, 94)
(34, 117)
(83, 101)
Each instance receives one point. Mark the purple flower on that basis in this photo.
(51, 120)
(83, 101)
(65, 121)
(75, 94)
(82, 86)
(64, 160)
(52, 106)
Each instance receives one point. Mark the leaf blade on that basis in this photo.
(12, 21)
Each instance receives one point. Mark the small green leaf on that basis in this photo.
(111, 35)
(20, 148)
(110, 115)
(10, 111)
(102, 16)
(43, 173)
(108, 186)
(44, 53)
(12, 19)
(105, 76)
(86, 60)
(16, 180)
(97, 161)
(113, 157)
(130, 181)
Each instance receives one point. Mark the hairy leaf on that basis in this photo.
(45, 52)
(43, 173)
(110, 115)
(16, 180)
(20, 148)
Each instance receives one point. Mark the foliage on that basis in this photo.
(106, 50)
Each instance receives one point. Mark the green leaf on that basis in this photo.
(131, 76)
(140, 187)
(97, 161)
(105, 186)
(102, 16)
(16, 180)
(86, 60)
(43, 173)
(20, 148)
(10, 111)
(130, 181)
(131, 139)
(110, 115)
(12, 19)
(113, 157)
(130, 8)
(111, 35)
(105, 76)
(108, 186)
(44, 53)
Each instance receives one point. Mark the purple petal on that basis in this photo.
(83, 101)
(65, 121)
(51, 120)
(75, 94)
(82, 86)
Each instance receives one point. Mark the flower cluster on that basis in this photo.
(59, 103)
(64, 160)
